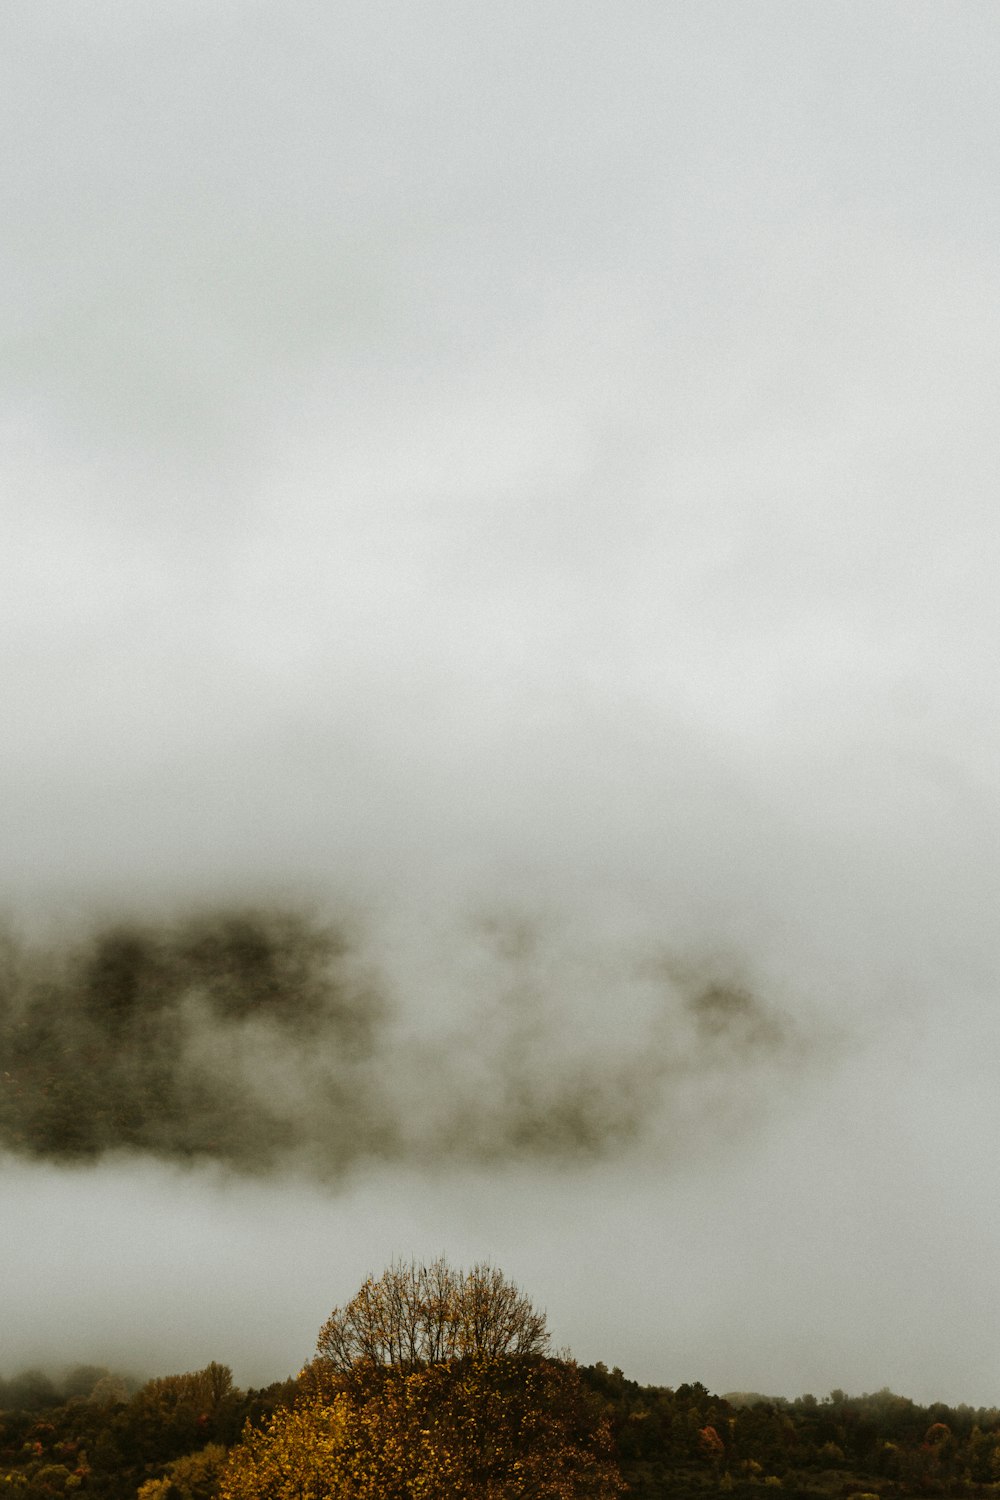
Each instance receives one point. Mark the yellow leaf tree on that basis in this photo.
(380, 1418)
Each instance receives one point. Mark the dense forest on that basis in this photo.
(95, 1433)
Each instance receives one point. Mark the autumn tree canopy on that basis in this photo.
(432, 1382)
(418, 1314)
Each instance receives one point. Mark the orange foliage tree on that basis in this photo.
(417, 1315)
(491, 1419)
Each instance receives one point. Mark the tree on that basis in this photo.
(176, 1414)
(502, 1429)
(432, 1383)
(192, 1477)
(417, 1315)
(300, 1454)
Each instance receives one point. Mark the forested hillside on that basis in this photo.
(671, 1442)
(90, 1434)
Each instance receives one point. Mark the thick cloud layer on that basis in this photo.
(260, 1042)
(537, 464)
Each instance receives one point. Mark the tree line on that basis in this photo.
(434, 1382)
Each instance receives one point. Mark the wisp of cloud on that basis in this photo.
(263, 1040)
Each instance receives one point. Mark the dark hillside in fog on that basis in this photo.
(91, 1432)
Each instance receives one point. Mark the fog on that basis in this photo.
(264, 1044)
(502, 505)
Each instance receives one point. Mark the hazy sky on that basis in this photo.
(525, 469)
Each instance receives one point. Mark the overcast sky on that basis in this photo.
(530, 464)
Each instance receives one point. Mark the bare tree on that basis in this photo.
(416, 1315)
